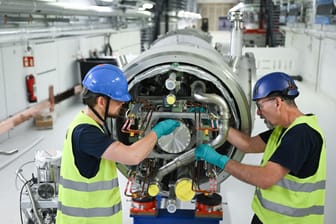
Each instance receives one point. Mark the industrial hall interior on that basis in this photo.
(162, 111)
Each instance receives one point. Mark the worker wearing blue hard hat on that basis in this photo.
(88, 185)
(290, 181)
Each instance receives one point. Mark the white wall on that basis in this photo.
(55, 64)
(317, 48)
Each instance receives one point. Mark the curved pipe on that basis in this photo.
(188, 157)
(224, 114)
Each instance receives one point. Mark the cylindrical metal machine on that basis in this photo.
(183, 77)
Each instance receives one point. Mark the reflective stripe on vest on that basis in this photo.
(294, 212)
(89, 212)
(305, 187)
(88, 187)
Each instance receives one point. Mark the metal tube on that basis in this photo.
(188, 157)
(171, 200)
(224, 114)
(236, 34)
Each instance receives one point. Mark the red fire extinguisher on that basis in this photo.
(30, 83)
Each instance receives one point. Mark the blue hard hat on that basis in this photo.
(275, 82)
(107, 80)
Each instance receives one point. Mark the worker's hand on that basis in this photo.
(209, 154)
(165, 127)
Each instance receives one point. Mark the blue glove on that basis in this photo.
(209, 154)
(165, 127)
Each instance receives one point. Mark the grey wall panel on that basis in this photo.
(126, 43)
(67, 69)
(327, 77)
(309, 48)
(3, 99)
(44, 80)
(45, 54)
(14, 79)
(89, 45)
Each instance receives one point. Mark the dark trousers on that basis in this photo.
(256, 220)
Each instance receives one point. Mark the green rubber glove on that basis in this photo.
(209, 154)
(165, 127)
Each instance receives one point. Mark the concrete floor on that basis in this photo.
(236, 195)
(28, 142)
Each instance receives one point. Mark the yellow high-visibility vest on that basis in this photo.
(293, 200)
(84, 200)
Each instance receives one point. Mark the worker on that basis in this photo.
(290, 181)
(88, 187)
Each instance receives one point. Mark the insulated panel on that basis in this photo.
(90, 44)
(14, 79)
(275, 59)
(67, 71)
(124, 43)
(327, 76)
(309, 51)
(45, 54)
(3, 113)
(3, 98)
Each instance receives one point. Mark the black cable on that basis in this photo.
(105, 127)
(20, 200)
(107, 107)
(108, 50)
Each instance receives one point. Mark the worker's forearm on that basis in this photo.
(131, 154)
(244, 142)
(144, 146)
(262, 177)
(238, 139)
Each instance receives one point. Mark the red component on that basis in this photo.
(30, 84)
(254, 31)
(144, 208)
(203, 210)
(28, 61)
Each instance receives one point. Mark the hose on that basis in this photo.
(31, 197)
